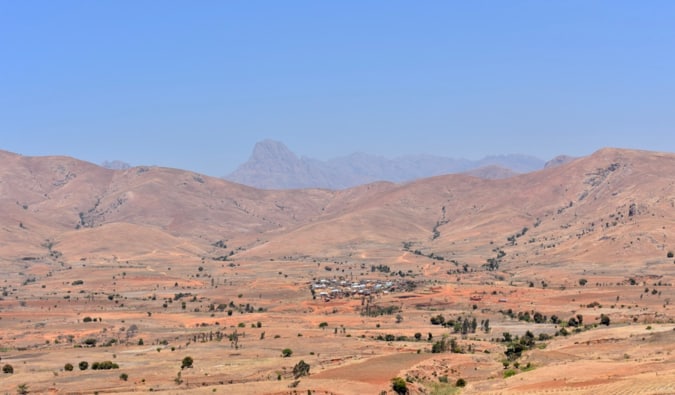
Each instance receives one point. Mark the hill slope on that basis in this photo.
(614, 206)
(149, 261)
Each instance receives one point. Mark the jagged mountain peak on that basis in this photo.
(272, 165)
(267, 150)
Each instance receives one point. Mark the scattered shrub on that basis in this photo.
(301, 369)
(399, 386)
(105, 365)
(186, 363)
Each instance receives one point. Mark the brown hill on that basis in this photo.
(613, 206)
(152, 265)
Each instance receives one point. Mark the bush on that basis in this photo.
(399, 386)
(440, 346)
(301, 369)
(124, 377)
(105, 365)
(9, 369)
(187, 363)
(68, 367)
(286, 352)
(509, 373)
(83, 365)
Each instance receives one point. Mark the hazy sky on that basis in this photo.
(194, 84)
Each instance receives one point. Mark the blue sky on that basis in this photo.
(194, 85)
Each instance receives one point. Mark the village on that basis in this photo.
(338, 288)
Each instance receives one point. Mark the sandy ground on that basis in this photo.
(176, 313)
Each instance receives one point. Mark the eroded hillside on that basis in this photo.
(562, 278)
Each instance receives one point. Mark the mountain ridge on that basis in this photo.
(273, 166)
(64, 200)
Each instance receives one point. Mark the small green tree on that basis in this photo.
(286, 352)
(582, 281)
(68, 367)
(22, 389)
(440, 345)
(83, 365)
(8, 369)
(604, 319)
(124, 377)
(486, 326)
(186, 363)
(460, 382)
(399, 386)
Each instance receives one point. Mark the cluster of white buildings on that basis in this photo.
(328, 289)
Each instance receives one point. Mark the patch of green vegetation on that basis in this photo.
(510, 372)
(438, 388)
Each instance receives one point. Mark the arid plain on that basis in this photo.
(558, 281)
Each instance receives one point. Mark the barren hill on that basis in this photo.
(614, 206)
(147, 266)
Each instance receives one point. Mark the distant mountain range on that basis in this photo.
(115, 165)
(273, 166)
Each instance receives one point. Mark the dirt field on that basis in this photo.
(45, 325)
